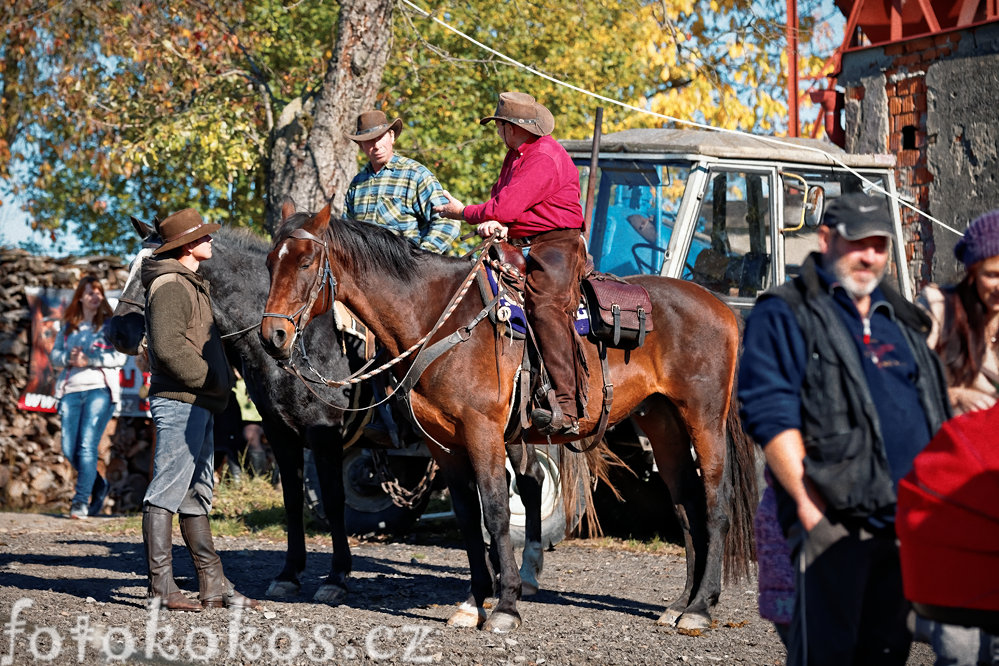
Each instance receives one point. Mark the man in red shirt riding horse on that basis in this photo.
(535, 202)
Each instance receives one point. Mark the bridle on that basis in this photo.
(324, 277)
(319, 284)
(300, 318)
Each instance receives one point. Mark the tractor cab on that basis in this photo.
(731, 212)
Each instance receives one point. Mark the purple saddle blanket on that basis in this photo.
(512, 312)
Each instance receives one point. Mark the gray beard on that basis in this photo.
(856, 289)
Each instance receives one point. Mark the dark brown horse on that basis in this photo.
(678, 387)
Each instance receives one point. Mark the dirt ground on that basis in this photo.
(76, 590)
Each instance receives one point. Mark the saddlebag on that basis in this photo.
(620, 313)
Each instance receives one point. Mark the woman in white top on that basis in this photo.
(87, 389)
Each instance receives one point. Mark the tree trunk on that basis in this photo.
(311, 159)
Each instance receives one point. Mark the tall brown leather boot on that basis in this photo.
(215, 589)
(157, 528)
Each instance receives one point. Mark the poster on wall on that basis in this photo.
(47, 306)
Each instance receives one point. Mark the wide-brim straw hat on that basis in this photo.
(524, 111)
(372, 124)
(183, 227)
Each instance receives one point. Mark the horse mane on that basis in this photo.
(242, 237)
(369, 247)
(242, 241)
(238, 252)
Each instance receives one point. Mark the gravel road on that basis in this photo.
(76, 590)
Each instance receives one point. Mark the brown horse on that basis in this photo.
(678, 387)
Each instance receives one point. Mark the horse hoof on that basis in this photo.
(330, 594)
(501, 623)
(468, 616)
(283, 588)
(530, 570)
(694, 622)
(669, 618)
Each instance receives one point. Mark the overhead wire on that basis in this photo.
(871, 185)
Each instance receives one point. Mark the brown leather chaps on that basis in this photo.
(555, 264)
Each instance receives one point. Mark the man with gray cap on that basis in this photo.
(395, 191)
(839, 388)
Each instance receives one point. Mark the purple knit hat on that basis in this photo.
(981, 240)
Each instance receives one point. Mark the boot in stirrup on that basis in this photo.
(553, 421)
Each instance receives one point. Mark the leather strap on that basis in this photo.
(605, 407)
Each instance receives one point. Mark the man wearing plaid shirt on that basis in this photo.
(395, 191)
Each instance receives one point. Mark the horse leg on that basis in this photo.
(456, 469)
(713, 500)
(529, 484)
(328, 452)
(288, 455)
(488, 462)
(671, 443)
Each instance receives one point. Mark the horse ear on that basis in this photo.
(141, 228)
(287, 208)
(321, 221)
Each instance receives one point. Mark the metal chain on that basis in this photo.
(401, 496)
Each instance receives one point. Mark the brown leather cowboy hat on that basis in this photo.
(372, 124)
(524, 111)
(183, 227)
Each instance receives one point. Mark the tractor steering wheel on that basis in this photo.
(647, 266)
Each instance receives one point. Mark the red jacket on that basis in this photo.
(948, 516)
(537, 190)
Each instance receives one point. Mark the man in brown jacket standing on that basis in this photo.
(190, 383)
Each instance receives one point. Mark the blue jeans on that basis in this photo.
(957, 646)
(183, 464)
(84, 415)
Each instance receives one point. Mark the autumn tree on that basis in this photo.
(115, 109)
(717, 62)
(111, 109)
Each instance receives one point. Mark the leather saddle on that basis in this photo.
(613, 312)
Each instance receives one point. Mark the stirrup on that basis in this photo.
(547, 423)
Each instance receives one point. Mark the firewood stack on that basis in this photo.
(33, 472)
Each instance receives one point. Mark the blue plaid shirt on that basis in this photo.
(401, 196)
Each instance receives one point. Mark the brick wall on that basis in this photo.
(905, 86)
(931, 102)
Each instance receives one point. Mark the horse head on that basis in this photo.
(127, 326)
(302, 284)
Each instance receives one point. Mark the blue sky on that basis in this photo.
(15, 231)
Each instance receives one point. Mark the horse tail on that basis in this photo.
(580, 474)
(742, 480)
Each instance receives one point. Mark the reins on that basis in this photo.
(361, 374)
(406, 383)
(241, 331)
